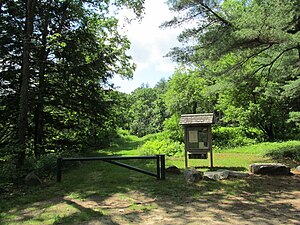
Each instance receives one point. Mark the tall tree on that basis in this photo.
(60, 74)
(24, 92)
(147, 109)
(251, 48)
(185, 93)
(141, 110)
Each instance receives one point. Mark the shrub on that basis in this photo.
(228, 137)
(166, 146)
(8, 172)
(290, 152)
(123, 133)
(172, 129)
(46, 165)
(43, 167)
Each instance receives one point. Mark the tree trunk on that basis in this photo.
(39, 115)
(24, 92)
(270, 132)
(195, 105)
(298, 99)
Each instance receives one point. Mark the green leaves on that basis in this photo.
(185, 93)
(248, 55)
(75, 50)
(147, 111)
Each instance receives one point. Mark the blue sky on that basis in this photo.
(149, 45)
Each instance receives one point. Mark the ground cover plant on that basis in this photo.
(100, 193)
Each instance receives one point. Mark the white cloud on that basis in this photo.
(149, 45)
(165, 66)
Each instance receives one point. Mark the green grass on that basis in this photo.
(125, 145)
(71, 201)
(263, 148)
(233, 161)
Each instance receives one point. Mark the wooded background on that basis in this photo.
(240, 60)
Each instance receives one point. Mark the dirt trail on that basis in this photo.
(280, 204)
(264, 200)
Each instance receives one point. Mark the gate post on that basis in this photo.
(163, 167)
(158, 167)
(58, 169)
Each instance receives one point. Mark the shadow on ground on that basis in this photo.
(99, 194)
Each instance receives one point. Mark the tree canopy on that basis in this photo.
(56, 61)
(250, 53)
(239, 59)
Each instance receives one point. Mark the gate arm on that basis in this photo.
(130, 167)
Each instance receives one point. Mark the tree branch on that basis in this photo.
(255, 54)
(270, 64)
(206, 7)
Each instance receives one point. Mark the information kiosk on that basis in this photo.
(197, 136)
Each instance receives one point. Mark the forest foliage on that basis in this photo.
(239, 59)
(57, 59)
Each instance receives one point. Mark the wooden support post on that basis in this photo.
(211, 159)
(186, 158)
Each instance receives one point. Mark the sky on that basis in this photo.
(149, 45)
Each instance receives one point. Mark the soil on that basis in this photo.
(279, 204)
(264, 200)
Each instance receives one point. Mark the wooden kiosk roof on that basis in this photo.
(197, 119)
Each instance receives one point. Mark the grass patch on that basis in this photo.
(90, 191)
(228, 160)
(125, 145)
(265, 148)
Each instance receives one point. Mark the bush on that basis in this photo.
(157, 136)
(173, 129)
(229, 137)
(8, 172)
(123, 133)
(288, 152)
(46, 165)
(43, 167)
(162, 146)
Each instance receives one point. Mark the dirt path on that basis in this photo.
(279, 204)
(262, 200)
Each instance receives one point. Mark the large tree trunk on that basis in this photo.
(39, 114)
(24, 92)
